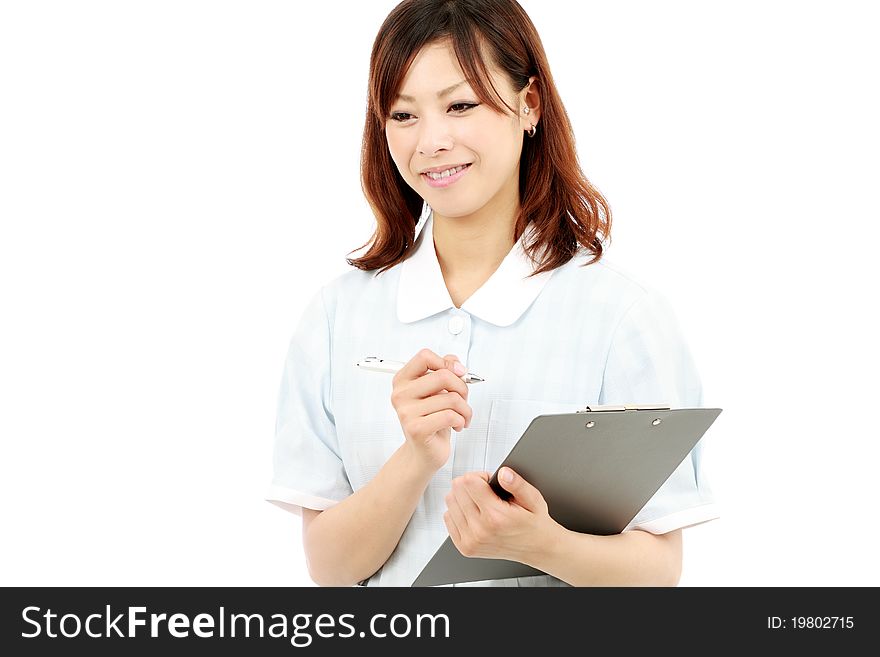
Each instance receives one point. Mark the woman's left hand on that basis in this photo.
(481, 524)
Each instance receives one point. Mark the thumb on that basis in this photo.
(453, 363)
(524, 494)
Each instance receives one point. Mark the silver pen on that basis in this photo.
(376, 364)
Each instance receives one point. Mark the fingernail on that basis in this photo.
(506, 475)
(459, 368)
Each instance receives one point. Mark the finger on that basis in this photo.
(441, 402)
(454, 365)
(464, 497)
(433, 382)
(419, 365)
(427, 361)
(442, 419)
(455, 513)
(476, 484)
(454, 532)
(524, 494)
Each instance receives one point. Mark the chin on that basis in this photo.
(452, 213)
(454, 207)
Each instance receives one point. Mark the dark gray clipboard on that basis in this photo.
(596, 468)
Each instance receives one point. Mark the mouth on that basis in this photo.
(445, 178)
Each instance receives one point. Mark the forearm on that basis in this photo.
(633, 558)
(351, 540)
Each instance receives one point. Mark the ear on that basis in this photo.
(530, 97)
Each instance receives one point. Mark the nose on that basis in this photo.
(434, 136)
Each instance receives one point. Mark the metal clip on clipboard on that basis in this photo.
(624, 407)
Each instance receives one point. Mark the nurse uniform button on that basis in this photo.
(456, 325)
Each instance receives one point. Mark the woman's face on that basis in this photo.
(425, 131)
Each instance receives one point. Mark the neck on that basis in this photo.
(474, 246)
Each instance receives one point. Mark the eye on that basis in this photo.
(458, 108)
(465, 106)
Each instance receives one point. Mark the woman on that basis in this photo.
(488, 250)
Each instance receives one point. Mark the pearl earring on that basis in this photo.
(525, 110)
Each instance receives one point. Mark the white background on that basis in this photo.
(177, 178)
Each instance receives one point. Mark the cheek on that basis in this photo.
(400, 151)
(496, 148)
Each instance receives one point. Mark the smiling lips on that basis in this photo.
(445, 178)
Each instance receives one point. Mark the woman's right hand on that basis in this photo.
(430, 400)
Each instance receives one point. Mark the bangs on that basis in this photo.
(471, 52)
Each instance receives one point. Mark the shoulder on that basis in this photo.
(616, 294)
(619, 278)
(356, 280)
(607, 280)
(353, 285)
(349, 281)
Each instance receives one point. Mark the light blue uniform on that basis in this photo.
(552, 343)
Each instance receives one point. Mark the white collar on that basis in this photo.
(501, 300)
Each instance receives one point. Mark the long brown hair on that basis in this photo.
(555, 195)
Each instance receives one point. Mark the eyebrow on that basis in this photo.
(440, 94)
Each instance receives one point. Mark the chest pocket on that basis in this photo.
(508, 420)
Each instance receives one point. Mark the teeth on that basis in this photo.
(445, 174)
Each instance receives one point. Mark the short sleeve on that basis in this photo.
(307, 467)
(649, 363)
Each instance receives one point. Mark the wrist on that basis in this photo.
(549, 546)
(416, 463)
